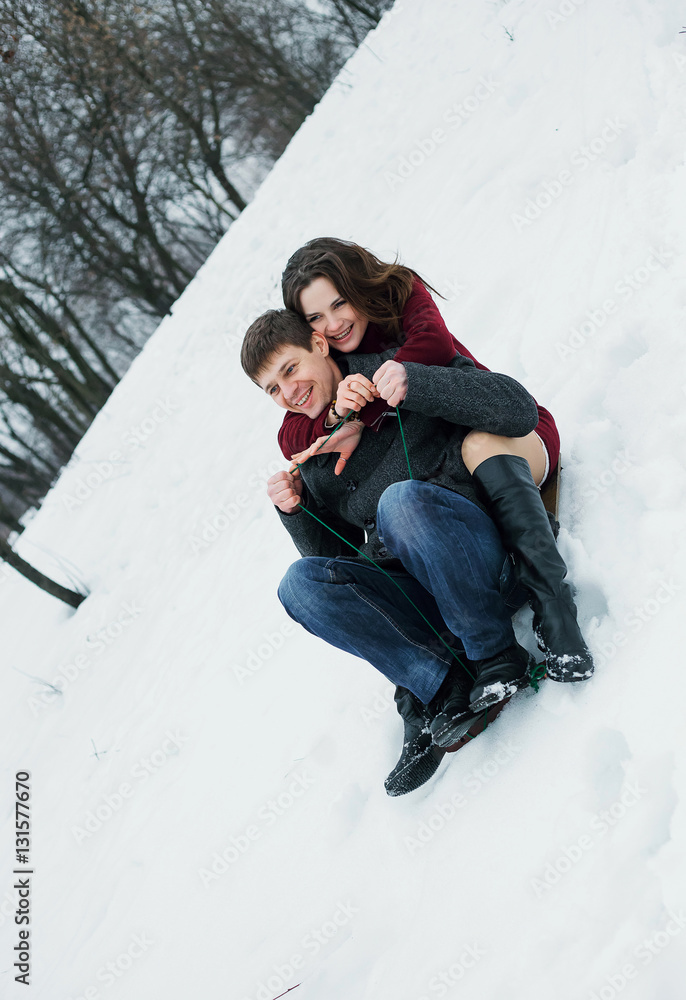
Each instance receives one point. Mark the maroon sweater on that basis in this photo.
(425, 339)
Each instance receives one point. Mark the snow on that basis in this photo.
(209, 816)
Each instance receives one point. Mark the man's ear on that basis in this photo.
(320, 343)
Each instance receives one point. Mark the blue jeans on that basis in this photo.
(456, 572)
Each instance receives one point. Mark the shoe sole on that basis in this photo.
(415, 773)
(567, 676)
(455, 730)
(493, 693)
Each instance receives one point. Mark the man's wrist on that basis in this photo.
(330, 420)
(336, 416)
(293, 510)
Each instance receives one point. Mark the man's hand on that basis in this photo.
(284, 489)
(354, 392)
(344, 441)
(391, 381)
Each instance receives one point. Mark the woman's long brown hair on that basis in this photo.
(376, 290)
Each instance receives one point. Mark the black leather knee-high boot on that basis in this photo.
(515, 505)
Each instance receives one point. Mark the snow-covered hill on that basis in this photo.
(209, 817)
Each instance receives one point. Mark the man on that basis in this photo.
(428, 601)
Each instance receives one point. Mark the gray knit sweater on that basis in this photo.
(441, 406)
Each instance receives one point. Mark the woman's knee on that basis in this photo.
(478, 446)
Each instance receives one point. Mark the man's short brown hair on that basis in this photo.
(270, 332)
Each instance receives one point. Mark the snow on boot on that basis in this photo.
(419, 758)
(452, 714)
(500, 676)
(554, 622)
(515, 504)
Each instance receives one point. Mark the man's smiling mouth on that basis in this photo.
(305, 398)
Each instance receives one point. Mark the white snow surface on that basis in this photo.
(208, 811)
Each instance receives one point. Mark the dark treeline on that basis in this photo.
(132, 135)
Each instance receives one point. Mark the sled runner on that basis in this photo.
(550, 495)
(482, 722)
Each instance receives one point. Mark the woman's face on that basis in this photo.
(329, 314)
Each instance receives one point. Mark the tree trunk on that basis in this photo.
(40, 579)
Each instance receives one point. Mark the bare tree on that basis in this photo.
(133, 132)
(84, 169)
(12, 558)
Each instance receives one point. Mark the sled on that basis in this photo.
(550, 494)
(484, 720)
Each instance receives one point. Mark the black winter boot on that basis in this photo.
(450, 708)
(516, 507)
(419, 758)
(499, 676)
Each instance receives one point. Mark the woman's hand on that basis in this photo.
(284, 489)
(345, 441)
(391, 381)
(354, 392)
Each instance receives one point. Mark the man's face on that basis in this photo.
(301, 381)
